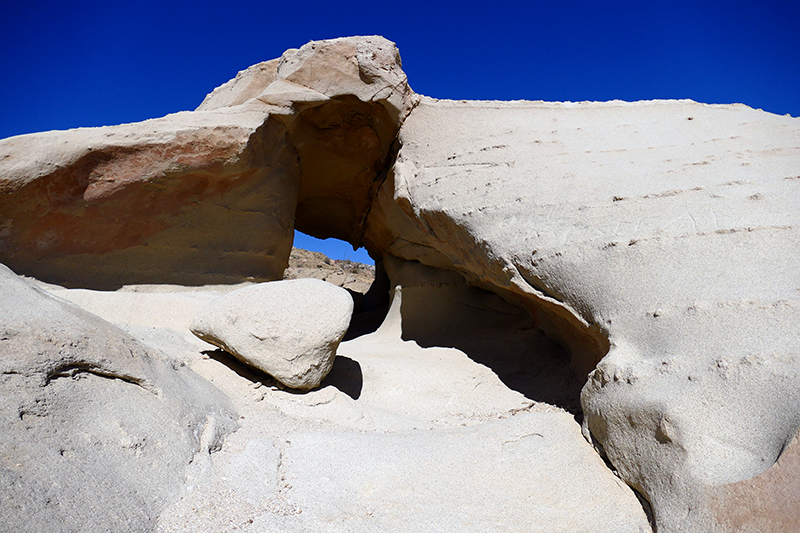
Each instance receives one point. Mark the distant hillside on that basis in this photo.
(350, 275)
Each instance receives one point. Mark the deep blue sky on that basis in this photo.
(84, 63)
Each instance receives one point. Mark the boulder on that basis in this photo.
(97, 431)
(194, 198)
(289, 329)
(212, 195)
(658, 241)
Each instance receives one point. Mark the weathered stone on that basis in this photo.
(247, 85)
(451, 389)
(96, 430)
(209, 196)
(657, 241)
(195, 197)
(289, 329)
(526, 473)
(660, 251)
(767, 503)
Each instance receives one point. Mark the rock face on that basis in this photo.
(663, 253)
(159, 200)
(654, 245)
(528, 452)
(209, 196)
(289, 329)
(96, 430)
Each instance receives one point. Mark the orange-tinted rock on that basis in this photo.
(192, 197)
(209, 196)
(767, 503)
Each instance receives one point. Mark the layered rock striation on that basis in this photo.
(656, 244)
(658, 241)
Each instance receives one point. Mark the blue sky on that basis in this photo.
(83, 63)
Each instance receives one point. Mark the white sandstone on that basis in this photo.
(289, 329)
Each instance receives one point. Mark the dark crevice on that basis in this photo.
(72, 370)
(377, 183)
(646, 507)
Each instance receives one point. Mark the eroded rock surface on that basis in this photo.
(176, 199)
(209, 196)
(659, 241)
(411, 431)
(97, 431)
(288, 329)
(651, 249)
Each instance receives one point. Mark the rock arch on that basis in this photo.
(664, 257)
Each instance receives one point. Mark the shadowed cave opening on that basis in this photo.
(346, 150)
(438, 309)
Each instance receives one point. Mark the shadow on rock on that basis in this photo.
(247, 372)
(495, 334)
(346, 376)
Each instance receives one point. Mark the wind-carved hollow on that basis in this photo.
(534, 343)
(344, 146)
(437, 308)
(347, 151)
(586, 343)
(399, 229)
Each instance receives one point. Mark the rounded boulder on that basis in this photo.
(289, 329)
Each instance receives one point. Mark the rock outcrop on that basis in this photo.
(97, 430)
(652, 247)
(658, 249)
(209, 196)
(288, 329)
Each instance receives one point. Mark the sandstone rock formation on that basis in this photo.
(289, 329)
(209, 196)
(649, 250)
(97, 430)
(657, 240)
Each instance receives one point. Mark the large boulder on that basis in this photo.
(289, 329)
(192, 198)
(658, 241)
(209, 196)
(96, 430)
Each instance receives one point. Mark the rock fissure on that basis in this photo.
(73, 370)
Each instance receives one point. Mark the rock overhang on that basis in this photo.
(620, 227)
